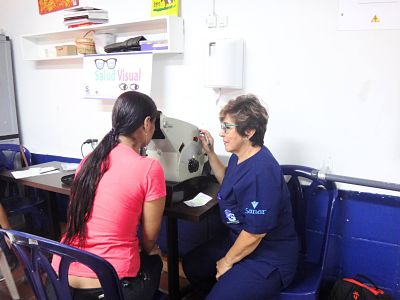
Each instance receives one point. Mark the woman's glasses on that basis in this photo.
(226, 126)
(111, 63)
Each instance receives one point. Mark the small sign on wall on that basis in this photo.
(108, 76)
(164, 7)
(368, 14)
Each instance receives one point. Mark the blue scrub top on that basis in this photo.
(254, 197)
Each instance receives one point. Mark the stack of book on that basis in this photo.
(84, 16)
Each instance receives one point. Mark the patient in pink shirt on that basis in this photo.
(114, 191)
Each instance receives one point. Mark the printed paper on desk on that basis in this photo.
(34, 172)
(200, 200)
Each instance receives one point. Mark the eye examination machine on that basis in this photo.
(176, 146)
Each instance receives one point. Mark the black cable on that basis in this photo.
(88, 141)
(82, 148)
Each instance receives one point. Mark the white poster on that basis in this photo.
(368, 14)
(107, 76)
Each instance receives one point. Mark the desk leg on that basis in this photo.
(53, 216)
(173, 259)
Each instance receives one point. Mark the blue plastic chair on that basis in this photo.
(313, 203)
(18, 200)
(33, 252)
(11, 157)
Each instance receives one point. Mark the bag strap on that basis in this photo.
(374, 291)
(361, 276)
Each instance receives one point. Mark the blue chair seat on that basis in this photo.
(306, 282)
(23, 205)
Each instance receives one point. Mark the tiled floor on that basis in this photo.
(24, 289)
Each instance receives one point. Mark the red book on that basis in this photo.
(82, 24)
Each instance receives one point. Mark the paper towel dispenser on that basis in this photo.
(224, 64)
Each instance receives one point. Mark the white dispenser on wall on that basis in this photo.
(224, 64)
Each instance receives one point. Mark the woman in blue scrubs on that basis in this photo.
(257, 258)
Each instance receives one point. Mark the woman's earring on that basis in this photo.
(144, 148)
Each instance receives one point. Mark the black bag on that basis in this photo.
(353, 289)
(131, 44)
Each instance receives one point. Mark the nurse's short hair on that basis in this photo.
(248, 113)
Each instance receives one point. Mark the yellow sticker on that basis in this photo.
(165, 7)
(375, 19)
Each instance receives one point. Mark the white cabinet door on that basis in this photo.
(8, 114)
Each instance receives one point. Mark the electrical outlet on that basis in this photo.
(212, 21)
(222, 21)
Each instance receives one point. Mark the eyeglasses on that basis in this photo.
(133, 87)
(111, 63)
(226, 126)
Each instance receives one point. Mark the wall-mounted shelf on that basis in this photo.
(38, 47)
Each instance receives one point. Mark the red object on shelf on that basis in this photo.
(48, 6)
(83, 24)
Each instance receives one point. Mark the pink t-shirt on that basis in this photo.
(112, 228)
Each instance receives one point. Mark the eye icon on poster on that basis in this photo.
(132, 87)
(106, 76)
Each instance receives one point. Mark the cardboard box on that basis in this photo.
(65, 50)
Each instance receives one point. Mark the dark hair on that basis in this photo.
(248, 113)
(128, 114)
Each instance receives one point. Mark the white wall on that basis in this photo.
(333, 96)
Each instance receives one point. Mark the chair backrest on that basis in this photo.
(34, 251)
(10, 156)
(312, 202)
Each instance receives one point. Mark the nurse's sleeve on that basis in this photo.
(262, 206)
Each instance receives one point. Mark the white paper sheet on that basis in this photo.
(34, 172)
(200, 200)
(69, 166)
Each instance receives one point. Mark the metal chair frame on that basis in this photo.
(306, 283)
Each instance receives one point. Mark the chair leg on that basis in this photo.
(6, 271)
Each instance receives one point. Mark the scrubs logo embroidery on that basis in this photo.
(254, 211)
(231, 217)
